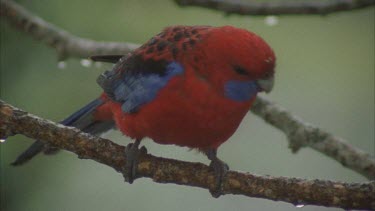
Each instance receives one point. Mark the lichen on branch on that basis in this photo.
(162, 170)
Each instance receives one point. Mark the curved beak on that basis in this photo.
(266, 84)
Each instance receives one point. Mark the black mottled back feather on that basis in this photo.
(152, 57)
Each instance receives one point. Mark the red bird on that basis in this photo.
(188, 85)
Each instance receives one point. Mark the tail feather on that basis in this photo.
(78, 117)
(33, 150)
(98, 128)
(81, 119)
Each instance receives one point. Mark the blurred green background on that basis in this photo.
(325, 75)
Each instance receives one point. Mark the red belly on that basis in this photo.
(191, 115)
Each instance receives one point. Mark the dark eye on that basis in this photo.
(240, 70)
(268, 74)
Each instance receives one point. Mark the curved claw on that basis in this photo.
(220, 169)
(132, 153)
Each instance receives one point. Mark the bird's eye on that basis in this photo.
(268, 74)
(240, 70)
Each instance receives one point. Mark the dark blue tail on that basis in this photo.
(87, 109)
(81, 119)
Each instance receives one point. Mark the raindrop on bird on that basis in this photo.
(86, 62)
(61, 65)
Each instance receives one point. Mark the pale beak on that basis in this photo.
(266, 84)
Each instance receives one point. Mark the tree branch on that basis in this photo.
(299, 133)
(279, 7)
(302, 134)
(66, 44)
(163, 170)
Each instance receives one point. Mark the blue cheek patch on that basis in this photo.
(240, 90)
(139, 89)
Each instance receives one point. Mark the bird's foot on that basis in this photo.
(220, 169)
(132, 153)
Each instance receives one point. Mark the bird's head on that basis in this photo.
(236, 61)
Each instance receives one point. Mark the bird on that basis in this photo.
(189, 86)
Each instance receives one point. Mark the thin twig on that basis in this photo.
(298, 132)
(66, 44)
(302, 134)
(279, 7)
(162, 170)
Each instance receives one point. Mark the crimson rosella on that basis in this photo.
(188, 86)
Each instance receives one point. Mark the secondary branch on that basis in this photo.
(65, 43)
(302, 134)
(278, 7)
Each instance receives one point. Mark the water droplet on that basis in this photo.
(271, 20)
(2, 140)
(61, 65)
(300, 205)
(86, 62)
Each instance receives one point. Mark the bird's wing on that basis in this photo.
(137, 78)
(135, 81)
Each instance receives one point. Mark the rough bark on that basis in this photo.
(278, 7)
(162, 170)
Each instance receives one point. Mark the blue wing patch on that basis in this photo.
(240, 90)
(139, 88)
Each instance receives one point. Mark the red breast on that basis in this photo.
(187, 112)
